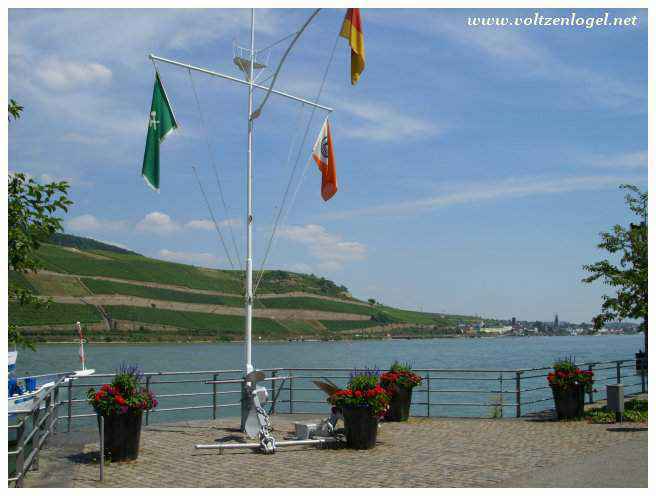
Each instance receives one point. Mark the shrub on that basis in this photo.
(400, 375)
(362, 391)
(123, 395)
(566, 374)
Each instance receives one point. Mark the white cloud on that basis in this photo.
(90, 223)
(66, 75)
(208, 225)
(330, 251)
(630, 160)
(380, 122)
(458, 194)
(157, 223)
(194, 258)
(300, 267)
(520, 55)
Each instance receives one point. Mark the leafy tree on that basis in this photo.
(32, 219)
(371, 301)
(629, 276)
(14, 110)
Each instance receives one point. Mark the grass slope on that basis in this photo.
(229, 324)
(101, 287)
(86, 257)
(54, 313)
(135, 267)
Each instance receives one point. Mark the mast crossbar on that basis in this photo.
(237, 80)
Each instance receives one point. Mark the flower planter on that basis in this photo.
(361, 427)
(399, 409)
(641, 361)
(122, 436)
(569, 401)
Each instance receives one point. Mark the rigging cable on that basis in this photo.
(209, 207)
(293, 172)
(216, 225)
(256, 114)
(216, 174)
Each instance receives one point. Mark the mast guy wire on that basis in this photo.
(216, 225)
(293, 173)
(214, 168)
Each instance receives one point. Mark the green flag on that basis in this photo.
(160, 123)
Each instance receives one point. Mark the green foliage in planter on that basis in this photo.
(363, 390)
(634, 411)
(567, 374)
(400, 374)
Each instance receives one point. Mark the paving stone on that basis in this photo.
(424, 452)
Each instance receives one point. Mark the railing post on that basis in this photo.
(47, 411)
(102, 448)
(20, 457)
(501, 394)
(56, 409)
(273, 393)
(591, 390)
(428, 394)
(642, 379)
(291, 393)
(618, 365)
(518, 393)
(70, 403)
(214, 388)
(147, 389)
(35, 438)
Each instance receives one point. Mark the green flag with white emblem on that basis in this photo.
(161, 122)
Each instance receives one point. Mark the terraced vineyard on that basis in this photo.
(125, 296)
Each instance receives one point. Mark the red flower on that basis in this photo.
(119, 399)
(358, 394)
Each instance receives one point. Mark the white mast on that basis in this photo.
(250, 82)
(248, 366)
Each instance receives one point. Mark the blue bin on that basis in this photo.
(30, 383)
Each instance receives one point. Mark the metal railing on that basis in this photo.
(443, 393)
(189, 395)
(42, 419)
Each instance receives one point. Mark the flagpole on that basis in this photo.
(249, 211)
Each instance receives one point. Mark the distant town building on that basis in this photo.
(555, 322)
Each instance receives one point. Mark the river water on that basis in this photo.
(459, 353)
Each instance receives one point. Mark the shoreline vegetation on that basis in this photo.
(308, 339)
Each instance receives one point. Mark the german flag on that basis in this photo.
(352, 31)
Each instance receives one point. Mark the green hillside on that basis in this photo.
(126, 296)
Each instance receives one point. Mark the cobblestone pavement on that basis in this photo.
(420, 453)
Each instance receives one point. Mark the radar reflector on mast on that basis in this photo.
(242, 59)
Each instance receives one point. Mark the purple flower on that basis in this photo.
(124, 409)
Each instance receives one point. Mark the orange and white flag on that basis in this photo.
(323, 155)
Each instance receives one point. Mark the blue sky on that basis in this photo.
(476, 165)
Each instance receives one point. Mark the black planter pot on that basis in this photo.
(569, 401)
(361, 427)
(122, 436)
(399, 408)
(641, 361)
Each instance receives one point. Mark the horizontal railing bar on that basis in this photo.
(179, 395)
(536, 401)
(534, 389)
(473, 404)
